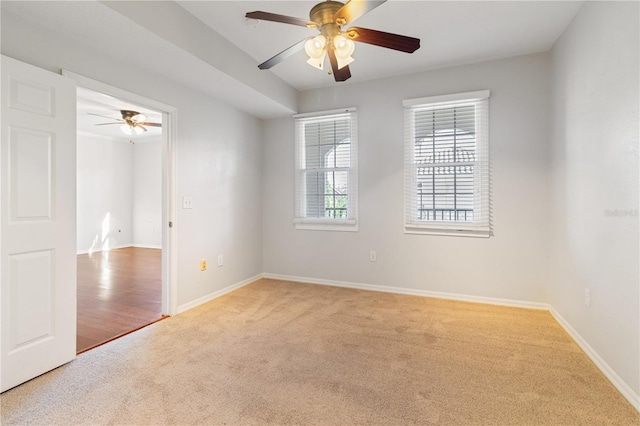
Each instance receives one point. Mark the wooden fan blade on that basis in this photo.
(339, 74)
(104, 116)
(382, 39)
(142, 127)
(149, 124)
(283, 55)
(353, 10)
(106, 124)
(274, 17)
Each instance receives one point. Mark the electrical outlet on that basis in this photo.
(187, 202)
(587, 297)
(220, 260)
(203, 265)
(373, 257)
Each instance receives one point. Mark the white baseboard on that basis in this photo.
(619, 384)
(100, 250)
(122, 246)
(412, 292)
(149, 246)
(625, 390)
(209, 297)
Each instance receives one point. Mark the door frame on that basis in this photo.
(169, 137)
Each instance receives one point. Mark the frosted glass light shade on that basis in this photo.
(343, 62)
(139, 118)
(126, 129)
(316, 62)
(344, 48)
(316, 49)
(130, 130)
(315, 46)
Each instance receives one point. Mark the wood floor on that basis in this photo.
(119, 291)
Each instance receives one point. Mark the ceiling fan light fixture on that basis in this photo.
(328, 17)
(139, 118)
(129, 130)
(343, 62)
(315, 46)
(344, 48)
(126, 129)
(316, 49)
(317, 62)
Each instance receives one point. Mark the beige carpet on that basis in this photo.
(287, 353)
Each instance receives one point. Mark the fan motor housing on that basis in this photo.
(126, 114)
(323, 13)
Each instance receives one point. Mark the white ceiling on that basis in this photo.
(451, 33)
(210, 47)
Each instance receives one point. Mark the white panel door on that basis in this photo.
(37, 222)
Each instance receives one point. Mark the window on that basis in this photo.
(326, 173)
(447, 164)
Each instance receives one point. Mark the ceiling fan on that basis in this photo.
(328, 18)
(131, 122)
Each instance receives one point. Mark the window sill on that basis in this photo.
(326, 225)
(448, 231)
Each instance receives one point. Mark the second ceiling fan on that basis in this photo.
(130, 123)
(328, 18)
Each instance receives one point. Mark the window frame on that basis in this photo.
(302, 222)
(481, 225)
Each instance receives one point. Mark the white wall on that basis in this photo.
(512, 264)
(218, 162)
(146, 214)
(104, 193)
(594, 239)
(119, 193)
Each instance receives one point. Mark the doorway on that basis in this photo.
(124, 194)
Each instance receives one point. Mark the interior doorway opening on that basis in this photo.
(124, 204)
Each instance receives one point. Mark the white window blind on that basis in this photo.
(326, 170)
(447, 164)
